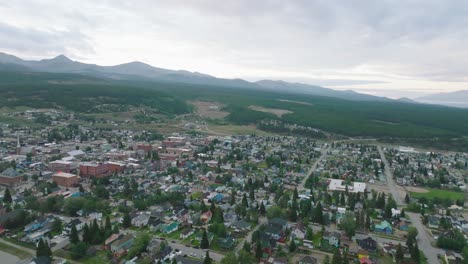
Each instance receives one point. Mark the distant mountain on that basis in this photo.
(406, 100)
(318, 90)
(138, 70)
(456, 99)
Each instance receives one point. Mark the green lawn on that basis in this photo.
(437, 193)
(101, 257)
(14, 251)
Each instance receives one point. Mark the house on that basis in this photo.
(308, 260)
(240, 225)
(169, 228)
(433, 221)
(226, 243)
(333, 238)
(10, 176)
(384, 227)
(368, 244)
(120, 245)
(110, 239)
(298, 233)
(278, 222)
(274, 231)
(154, 223)
(206, 217)
(65, 179)
(140, 220)
(186, 233)
(403, 226)
(451, 257)
(74, 222)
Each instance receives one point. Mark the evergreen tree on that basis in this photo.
(204, 244)
(74, 235)
(292, 246)
(86, 234)
(245, 203)
(127, 221)
(309, 234)
(262, 209)
(7, 196)
(407, 199)
(415, 255)
(258, 251)
(207, 258)
(40, 249)
(399, 255)
(295, 194)
(336, 259)
(233, 197)
(318, 214)
(108, 225)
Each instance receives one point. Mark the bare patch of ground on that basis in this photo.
(416, 189)
(296, 102)
(209, 109)
(277, 112)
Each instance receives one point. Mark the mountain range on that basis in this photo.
(141, 71)
(456, 99)
(138, 70)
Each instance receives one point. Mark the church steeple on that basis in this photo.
(18, 145)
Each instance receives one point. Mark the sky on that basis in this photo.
(387, 48)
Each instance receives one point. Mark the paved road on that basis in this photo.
(390, 181)
(30, 251)
(261, 221)
(312, 169)
(425, 240)
(200, 253)
(8, 258)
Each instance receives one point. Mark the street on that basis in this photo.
(200, 253)
(424, 240)
(312, 169)
(261, 221)
(390, 181)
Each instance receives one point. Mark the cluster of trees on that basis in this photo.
(337, 258)
(453, 240)
(43, 249)
(92, 235)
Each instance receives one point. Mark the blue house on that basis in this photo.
(217, 198)
(384, 227)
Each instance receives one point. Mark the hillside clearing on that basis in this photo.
(277, 112)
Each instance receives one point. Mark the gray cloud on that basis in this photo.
(374, 41)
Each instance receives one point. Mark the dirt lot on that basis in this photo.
(416, 189)
(275, 111)
(209, 109)
(296, 102)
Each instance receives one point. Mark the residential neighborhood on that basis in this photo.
(78, 194)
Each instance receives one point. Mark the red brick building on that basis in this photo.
(65, 179)
(144, 148)
(115, 167)
(62, 165)
(98, 170)
(10, 176)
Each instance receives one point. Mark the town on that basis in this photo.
(73, 193)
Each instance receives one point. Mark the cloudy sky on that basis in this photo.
(391, 48)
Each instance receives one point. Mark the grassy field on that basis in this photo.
(437, 193)
(237, 130)
(14, 251)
